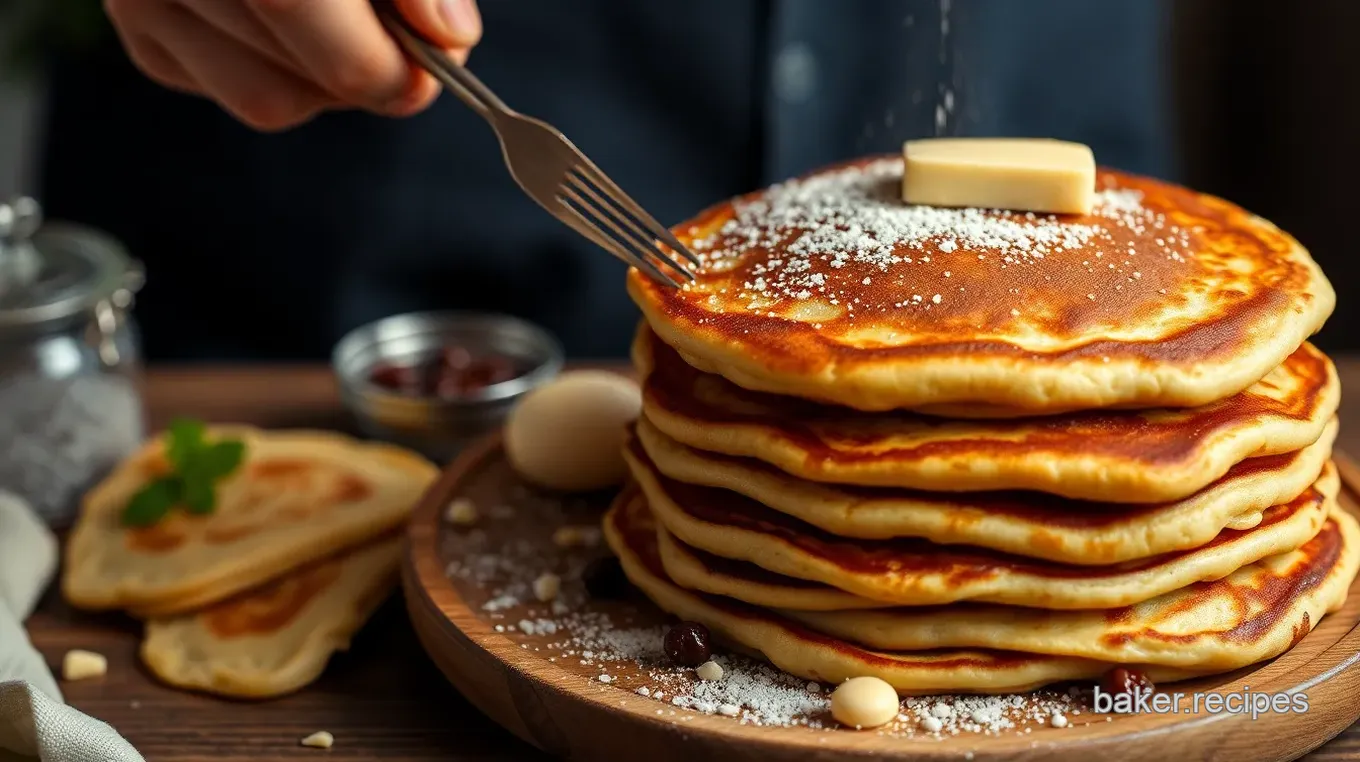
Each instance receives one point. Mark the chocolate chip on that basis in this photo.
(686, 644)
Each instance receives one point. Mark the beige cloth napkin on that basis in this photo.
(34, 722)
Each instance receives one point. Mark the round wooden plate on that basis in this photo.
(554, 698)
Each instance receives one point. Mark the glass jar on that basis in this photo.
(70, 388)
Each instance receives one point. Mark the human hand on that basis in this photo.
(275, 64)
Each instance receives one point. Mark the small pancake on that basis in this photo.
(1120, 456)
(802, 652)
(299, 496)
(1022, 523)
(832, 289)
(913, 572)
(1253, 614)
(277, 638)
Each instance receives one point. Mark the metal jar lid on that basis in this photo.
(58, 273)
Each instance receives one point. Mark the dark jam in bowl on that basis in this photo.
(455, 372)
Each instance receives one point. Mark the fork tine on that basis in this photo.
(593, 216)
(593, 173)
(619, 248)
(640, 237)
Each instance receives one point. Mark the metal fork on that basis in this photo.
(551, 170)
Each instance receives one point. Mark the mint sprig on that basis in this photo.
(196, 464)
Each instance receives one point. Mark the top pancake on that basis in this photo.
(831, 288)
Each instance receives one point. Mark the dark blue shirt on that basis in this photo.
(271, 246)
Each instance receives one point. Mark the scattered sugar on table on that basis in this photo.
(571, 630)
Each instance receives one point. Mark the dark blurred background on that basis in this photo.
(271, 246)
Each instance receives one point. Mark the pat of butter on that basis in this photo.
(1024, 175)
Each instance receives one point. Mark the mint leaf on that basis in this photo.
(220, 458)
(197, 466)
(200, 497)
(152, 502)
(185, 441)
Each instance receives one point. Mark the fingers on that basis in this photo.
(157, 63)
(452, 24)
(274, 63)
(259, 92)
(129, 21)
(343, 47)
(236, 20)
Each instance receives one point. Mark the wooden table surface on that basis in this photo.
(383, 699)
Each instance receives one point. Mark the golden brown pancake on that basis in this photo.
(299, 496)
(1023, 523)
(801, 651)
(914, 572)
(832, 289)
(1116, 456)
(276, 638)
(1252, 614)
(703, 572)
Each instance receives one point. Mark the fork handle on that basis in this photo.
(457, 79)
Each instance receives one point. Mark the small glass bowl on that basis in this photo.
(439, 426)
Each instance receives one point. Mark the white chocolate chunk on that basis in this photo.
(83, 665)
(319, 740)
(1019, 174)
(547, 586)
(864, 702)
(461, 512)
(709, 670)
(574, 536)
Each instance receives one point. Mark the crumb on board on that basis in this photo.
(547, 586)
(78, 664)
(461, 512)
(321, 739)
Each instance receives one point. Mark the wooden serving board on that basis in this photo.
(468, 589)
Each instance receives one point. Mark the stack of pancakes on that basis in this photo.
(980, 451)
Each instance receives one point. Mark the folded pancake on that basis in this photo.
(1116, 456)
(830, 288)
(803, 652)
(299, 496)
(914, 572)
(1023, 523)
(1253, 614)
(277, 638)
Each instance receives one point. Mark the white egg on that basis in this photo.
(568, 434)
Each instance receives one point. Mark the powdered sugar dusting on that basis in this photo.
(615, 647)
(798, 235)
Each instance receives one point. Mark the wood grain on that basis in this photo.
(384, 699)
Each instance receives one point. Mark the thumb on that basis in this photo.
(454, 24)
